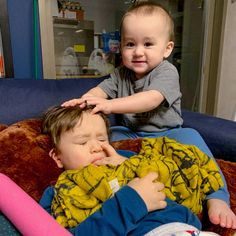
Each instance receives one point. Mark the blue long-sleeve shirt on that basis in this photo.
(126, 214)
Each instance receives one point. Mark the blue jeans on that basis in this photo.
(182, 135)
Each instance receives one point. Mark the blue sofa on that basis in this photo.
(28, 98)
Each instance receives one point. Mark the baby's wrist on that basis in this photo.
(86, 95)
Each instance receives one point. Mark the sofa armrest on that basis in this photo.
(218, 133)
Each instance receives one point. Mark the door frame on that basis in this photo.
(47, 41)
(215, 14)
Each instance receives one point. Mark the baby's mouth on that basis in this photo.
(98, 157)
(138, 62)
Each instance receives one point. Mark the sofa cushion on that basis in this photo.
(2, 127)
(218, 133)
(24, 158)
(27, 98)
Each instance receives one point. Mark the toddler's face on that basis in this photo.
(82, 145)
(145, 42)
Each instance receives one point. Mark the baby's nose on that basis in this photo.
(138, 50)
(96, 146)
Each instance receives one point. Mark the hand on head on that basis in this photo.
(76, 101)
(100, 104)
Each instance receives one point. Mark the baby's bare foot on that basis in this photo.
(220, 214)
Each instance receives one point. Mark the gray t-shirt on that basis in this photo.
(165, 79)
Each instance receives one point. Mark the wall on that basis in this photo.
(94, 10)
(226, 100)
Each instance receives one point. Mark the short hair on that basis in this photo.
(58, 119)
(148, 8)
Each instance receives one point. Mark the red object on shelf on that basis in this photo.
(2, 74)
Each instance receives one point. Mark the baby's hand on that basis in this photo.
(74, 102)
(150, 191)
(101, 104)
(112, 157)
(77, 101)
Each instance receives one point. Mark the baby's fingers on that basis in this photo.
(73, 102)
(112, 160)
(151, 176)
(103, 161)
(162, 204)
(108, 149)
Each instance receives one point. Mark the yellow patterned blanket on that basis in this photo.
(187, 173)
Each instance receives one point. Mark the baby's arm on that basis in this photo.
(94, 92)
(136, 103)
(119, 215)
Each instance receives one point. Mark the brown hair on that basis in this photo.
(148, 8)
(58, 119)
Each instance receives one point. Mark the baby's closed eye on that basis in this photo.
(102, 139)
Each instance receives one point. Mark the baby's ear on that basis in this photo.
(56, 157)
(169, 48)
